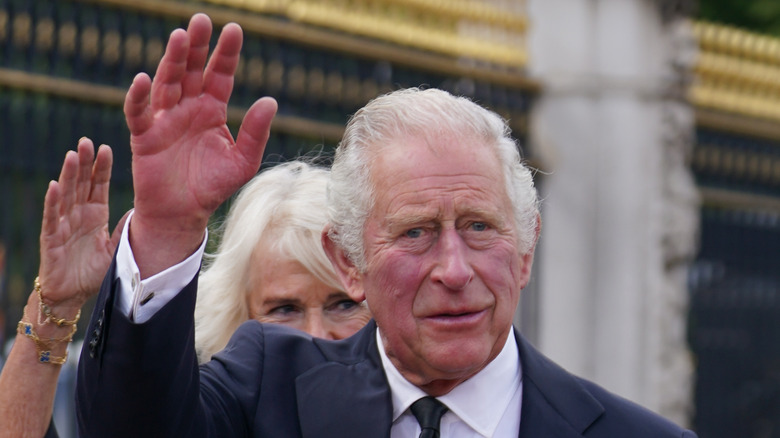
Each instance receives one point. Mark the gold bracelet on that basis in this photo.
(43, 347)
(46, 310)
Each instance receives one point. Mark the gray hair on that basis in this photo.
(427, 114)
(287, 200)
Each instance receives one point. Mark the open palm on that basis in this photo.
(185, 161)
(76, 248)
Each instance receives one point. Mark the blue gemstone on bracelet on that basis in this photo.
(27, 329)
(45, 356)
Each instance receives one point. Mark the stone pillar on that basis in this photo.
(620, 209)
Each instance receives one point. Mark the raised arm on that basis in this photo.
(185, 161)
(76, 251)
(139, 360)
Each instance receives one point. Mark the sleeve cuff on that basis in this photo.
(141, 299)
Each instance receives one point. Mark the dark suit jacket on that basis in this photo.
(142, 380)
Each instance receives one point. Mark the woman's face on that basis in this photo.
(282, 291)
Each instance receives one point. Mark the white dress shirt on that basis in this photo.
(486, 405)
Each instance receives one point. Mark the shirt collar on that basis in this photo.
(480, 401)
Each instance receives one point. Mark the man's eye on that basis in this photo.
(479, 226)
(414, 233)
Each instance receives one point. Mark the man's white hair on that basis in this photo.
(427, 114)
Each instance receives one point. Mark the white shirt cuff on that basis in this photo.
(141, 299)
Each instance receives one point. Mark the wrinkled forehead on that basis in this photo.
(438, 141)
(445, 162)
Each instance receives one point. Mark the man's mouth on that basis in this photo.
(458, 318)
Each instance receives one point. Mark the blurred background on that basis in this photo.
(653, 125)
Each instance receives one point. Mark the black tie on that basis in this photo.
(428, 412)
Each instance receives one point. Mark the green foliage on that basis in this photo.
(761, 16)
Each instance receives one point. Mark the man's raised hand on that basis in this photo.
(185, 161)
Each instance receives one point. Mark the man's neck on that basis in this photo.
(434, 387)
(481, 401)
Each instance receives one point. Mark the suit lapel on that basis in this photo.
(348, 395)
(555, 404)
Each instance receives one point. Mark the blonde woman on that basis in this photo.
(270, 265)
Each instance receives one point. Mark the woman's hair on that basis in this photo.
(424, 114)
(288, 201)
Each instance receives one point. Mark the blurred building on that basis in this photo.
(735, 281)
(658, 269)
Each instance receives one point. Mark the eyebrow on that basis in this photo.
(339, 295)
(491, 216)
(281, 301)
(403, 221)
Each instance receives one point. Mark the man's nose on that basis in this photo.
(452, 268)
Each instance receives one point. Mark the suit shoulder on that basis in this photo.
(622, 417)
(557, 396)
(288, 346)
(255, 338)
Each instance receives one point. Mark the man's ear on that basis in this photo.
(528, 257)
(348, 273)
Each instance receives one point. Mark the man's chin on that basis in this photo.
(458, 357)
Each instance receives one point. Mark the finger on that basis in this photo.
(137, 112)
(51, 216)
(218, 76)
(68, 182)
(101, 175)
(86, 153)
(167, 83)
(117, 234)
(199, 31)
(255, 129)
